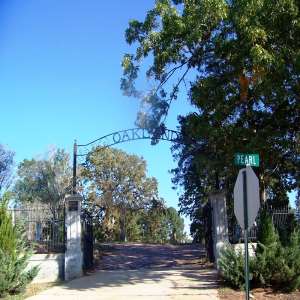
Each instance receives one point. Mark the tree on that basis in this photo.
(240, 61)
(266, 235)
(14, 254)
(297, 202)
(154, 222)
(6, 162)
(175, 226)
(159, 224)
(46, 181)
(116, 182)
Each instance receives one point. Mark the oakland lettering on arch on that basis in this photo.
(166, 135)
(145, 134)
(174, 136)
(116, 141)
(125, 136)
(135, 133)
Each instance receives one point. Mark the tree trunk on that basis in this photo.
(123, 237)
(262, 189)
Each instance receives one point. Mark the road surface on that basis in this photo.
(138, 271)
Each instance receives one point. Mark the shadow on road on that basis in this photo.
(137, 256)
(196, 278)
(179, 267)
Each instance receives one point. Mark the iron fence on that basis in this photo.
(87, 242)
(280, 218)
(43, 229)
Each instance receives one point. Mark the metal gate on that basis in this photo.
(208, 232)
(87, 243)
(44, 229)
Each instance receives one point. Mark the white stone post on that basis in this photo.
(219, 223)
(73, 253)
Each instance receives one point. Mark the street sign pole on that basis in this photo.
(246, 201)
(246, 234)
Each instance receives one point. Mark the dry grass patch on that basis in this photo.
(32, 290)
(226, 293)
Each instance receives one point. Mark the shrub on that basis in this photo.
(290, 274)
(231, 265)
(269, 264)
(279, 266)
(266, 234)
(276, 265)
(269, 252)
(14, 255)
(273, 264)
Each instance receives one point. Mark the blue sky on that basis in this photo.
(60, 70)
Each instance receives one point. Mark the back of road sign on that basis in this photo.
(252, 197)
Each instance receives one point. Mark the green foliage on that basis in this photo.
(154, 223)
(112, 177)
(291, 277)
(46, 180)
(175, 226)
(266, 235)
(161, 225)
(124, 202)
(273, 264)
(285, 230)
(270, 264)
(201, 225)
(133, 227)
(277, 265)
(14, 254)
(239, 61)
(232, 266)
(115, 183)
(297, 202)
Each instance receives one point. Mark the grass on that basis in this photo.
(226, 293)
(31, 290)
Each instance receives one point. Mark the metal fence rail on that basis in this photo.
(279, 217)
(44, 229)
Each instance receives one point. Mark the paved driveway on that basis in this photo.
(134, 271)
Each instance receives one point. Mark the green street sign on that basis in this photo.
(242, 159)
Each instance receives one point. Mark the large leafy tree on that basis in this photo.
(46, 180)
(115, 182)
(240, 61)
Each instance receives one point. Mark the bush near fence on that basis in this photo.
(282, 219)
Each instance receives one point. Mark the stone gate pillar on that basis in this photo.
(219, 223)
(73, 253)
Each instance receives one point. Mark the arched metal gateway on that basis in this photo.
(118, 137)
(81, 151)
(81, 226)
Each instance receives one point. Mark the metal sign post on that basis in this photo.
(246, 203)
(246, 234)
